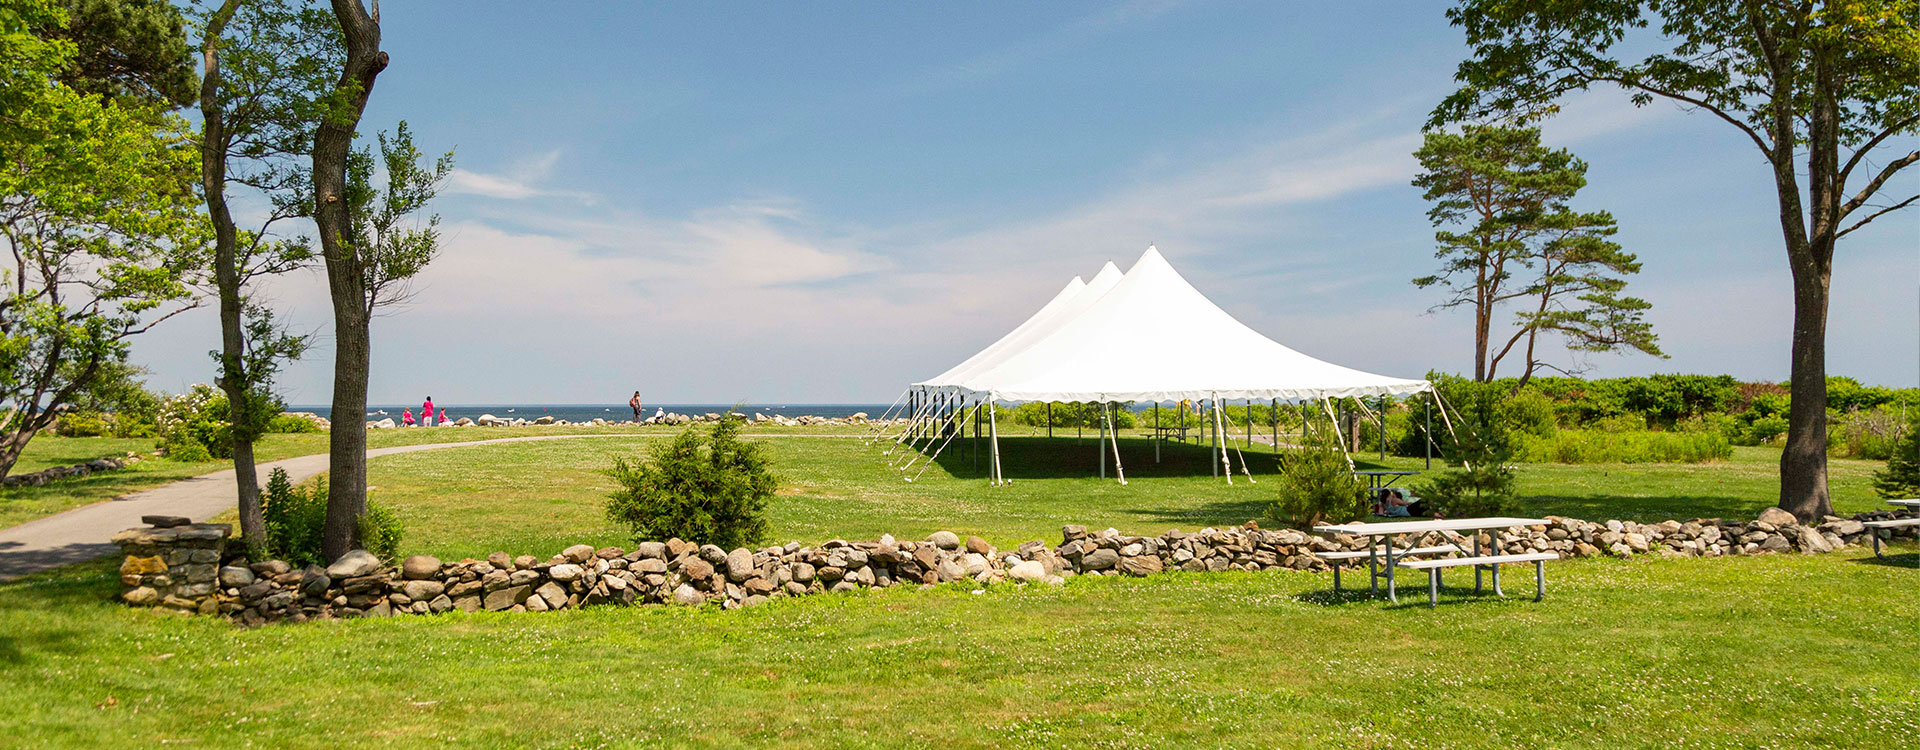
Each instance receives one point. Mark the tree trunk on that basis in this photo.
(1803, 462)
(226, 272)
(347, 444)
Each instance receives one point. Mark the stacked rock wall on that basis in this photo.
(184, 567)
(43, 476)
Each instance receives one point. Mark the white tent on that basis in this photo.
(1147, 335)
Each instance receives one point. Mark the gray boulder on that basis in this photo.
(419, 568)
(354, 564)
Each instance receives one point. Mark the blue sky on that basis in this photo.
(805, 202)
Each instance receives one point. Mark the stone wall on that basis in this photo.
(185, 567)
(40, 478)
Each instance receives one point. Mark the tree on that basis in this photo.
(1817, 87)
(1901, 478)
(1523, 245)
(127, 50)
(263, 79)
(96, 206)
(346, 283)
(369, 247)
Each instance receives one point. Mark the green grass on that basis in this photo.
(1640, 653)
(540, 497)
(1620, 654)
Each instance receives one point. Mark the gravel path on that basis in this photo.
(82, 533)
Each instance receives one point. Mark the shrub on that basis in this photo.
(83, 424)
(1870, 434)
(1317, 487)
(296, 519)
(1589, 447)
(1530, 412)
(287, 424)
(706, 488)
(1482, 483)
(1083, 415)
(185, 450)
(1901, 478)
(198, 416)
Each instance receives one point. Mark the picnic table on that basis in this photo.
(1377, 478)
(1176, 431)
(1910, 502)
(1380, 537)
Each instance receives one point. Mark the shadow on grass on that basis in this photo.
(1064, 456)
(1898, 560)
(34, 606)
(1219, 513)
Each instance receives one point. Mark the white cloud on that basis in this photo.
(518, 182)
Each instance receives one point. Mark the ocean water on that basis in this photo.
(609, 412)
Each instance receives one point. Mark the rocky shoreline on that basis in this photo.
(178, 566)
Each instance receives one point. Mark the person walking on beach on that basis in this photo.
(637, 408)
(426, 413)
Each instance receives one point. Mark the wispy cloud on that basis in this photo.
(519, 181)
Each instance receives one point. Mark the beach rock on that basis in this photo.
(578, 553)
(354, 564)
(979, 546)
(1029, 570)
(1140, 566)
(233, 577)
(689, 596)
(551, 593)
(945, 540)
(566, 572)
(1100, 559)
(419, 568)
(1811, 542)
(421, 591)
(696, 568)
(165, 522)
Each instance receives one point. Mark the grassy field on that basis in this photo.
(1783, 651)
(1621, 654)
(538, 497)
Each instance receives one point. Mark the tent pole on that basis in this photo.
(993, 429)
(1220, 437)
(1429, 435)
(936, 453)
(1049, 419)
(1118, 471)
(1337, 437)
(1383, 428)
(1273, 413)
(1102, 449)
(1156, 431)
(1249, 434)
(1208, 427)
(976, 434)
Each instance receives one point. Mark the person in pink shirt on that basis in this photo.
(406, 418)
(426, 413)
(443, 418)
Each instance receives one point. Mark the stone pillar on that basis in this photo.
(173, 563)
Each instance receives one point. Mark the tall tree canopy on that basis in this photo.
(266, 70)
(1824, 90)
(96, 207)
(127, 49)
(1518, 244)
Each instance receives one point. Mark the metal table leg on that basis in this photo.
(1336, 576)
(1433, 587)
(1476, 568)
(1373, 570)
(1539, 579)
(1392, 595)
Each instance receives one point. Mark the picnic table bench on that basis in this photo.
(1892, 523)
(1380, 541)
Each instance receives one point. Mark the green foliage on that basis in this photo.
(1868, 433)
(1515, 241)
(83, 424)
(296, 517)
(1481, 483)
(197, 417)
(1530, 412)
(1317, 487)
(1082, 415)
(1589, 447)
(706, 488)
(287, 424)
(390, 250)
(1901, 478)
(98, 198)
(134, 50)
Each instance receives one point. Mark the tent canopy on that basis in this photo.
(1148, 335)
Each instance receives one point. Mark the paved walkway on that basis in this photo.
(82, 533)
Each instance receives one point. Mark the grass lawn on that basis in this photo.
(1781, 651)
(539, 497)
(1732, 652)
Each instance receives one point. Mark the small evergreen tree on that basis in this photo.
(706, 488)
(1901, 478)
(1317, 487)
